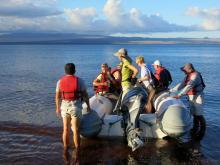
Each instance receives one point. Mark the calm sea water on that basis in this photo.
(30, 132)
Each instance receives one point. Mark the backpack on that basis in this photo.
(155, 82)
(169, 77)
(165, 78)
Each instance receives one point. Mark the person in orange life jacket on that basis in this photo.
(193, 86)
(128, 71)
(147, 81)
(102, 82)
(70, 91)
(162, 75)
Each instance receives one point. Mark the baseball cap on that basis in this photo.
(187, 66)
(157, 62)
(121, 52)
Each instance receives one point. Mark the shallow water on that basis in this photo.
(30, 131)
(28, 144)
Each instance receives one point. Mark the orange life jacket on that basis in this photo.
(103, 88)
(193, 91)
(69, 88)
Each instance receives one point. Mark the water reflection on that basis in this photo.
(30, 144)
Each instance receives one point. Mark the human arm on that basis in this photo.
(186, 88)
(97, 82)
(134, 70)
(86, 99)
(145, 78)
(58, 100)
(177, 87)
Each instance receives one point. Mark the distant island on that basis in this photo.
(66, 38)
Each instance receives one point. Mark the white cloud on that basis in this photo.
(210, 17)
(113, 11)
(135, 16)
(29, 15)
(134, 20)
(28, 8)
(82, 18)
(49, 23)
(45, 15)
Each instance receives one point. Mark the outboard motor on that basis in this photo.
(173, 116)
(131, 107)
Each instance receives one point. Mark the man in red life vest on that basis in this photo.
(193, 86)
(163, 76)
(70, 91)
(102, 82)
(162, 79)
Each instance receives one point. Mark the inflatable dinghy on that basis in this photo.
(172, 118)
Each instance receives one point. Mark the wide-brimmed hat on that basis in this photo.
(187, 66)
(157, 63)
(121, 52)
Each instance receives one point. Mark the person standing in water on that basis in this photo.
(193, 86)
(70, 91)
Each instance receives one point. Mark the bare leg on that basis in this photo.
(66, 131)
(75, 157)
(149, 106)
(75, 127)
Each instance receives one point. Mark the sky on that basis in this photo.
(130, 18)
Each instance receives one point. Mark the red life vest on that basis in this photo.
(103, 88)
(193, 91)
(157, 74)
(69, 88)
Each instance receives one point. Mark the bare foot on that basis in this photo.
(66, 156)
(75, 157)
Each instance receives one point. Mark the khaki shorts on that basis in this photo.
(71, 108)
(125, 90)
(196, 104)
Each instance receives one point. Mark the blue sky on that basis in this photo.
(147, 18)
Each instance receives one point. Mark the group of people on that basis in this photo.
(71, 90)
(110, 82)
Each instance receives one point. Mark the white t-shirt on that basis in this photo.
(145, 72)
